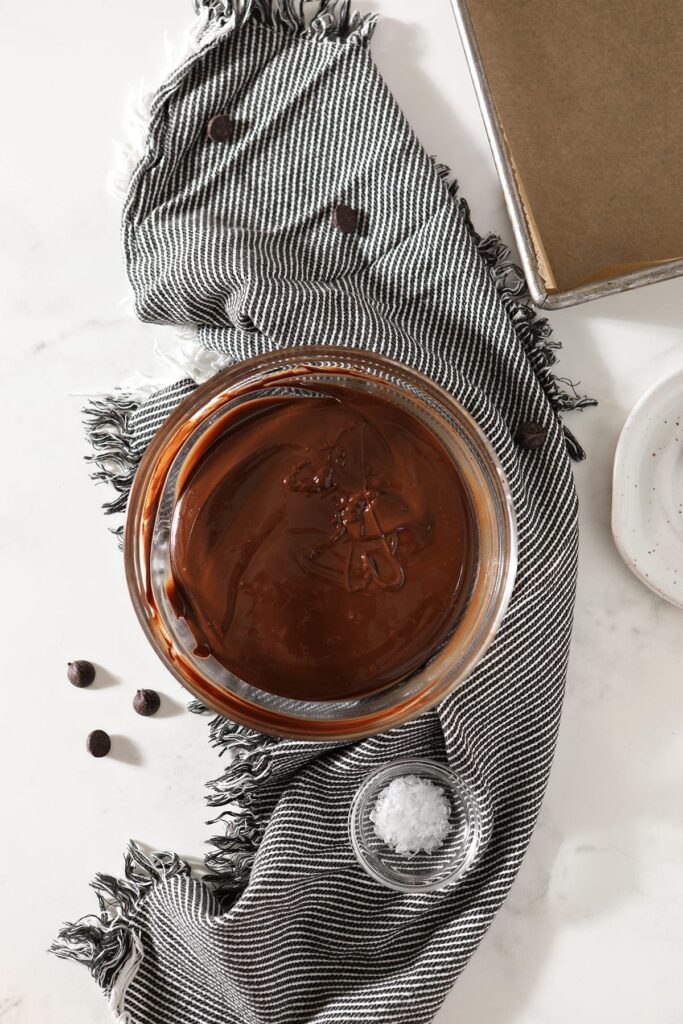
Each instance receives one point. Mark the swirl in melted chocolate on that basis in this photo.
(323, 545)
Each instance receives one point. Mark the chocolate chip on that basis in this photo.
(98, 743)
(219, 128)
(345, 218)
(531, 436)
(80, 673)
(146, 702)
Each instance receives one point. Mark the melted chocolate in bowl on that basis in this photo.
(323, 544)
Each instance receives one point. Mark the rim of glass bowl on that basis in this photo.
(458, 790)
(448, 666)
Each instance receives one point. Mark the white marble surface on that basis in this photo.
(593, 928)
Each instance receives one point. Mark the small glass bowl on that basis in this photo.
(417, 872)
(156, 490)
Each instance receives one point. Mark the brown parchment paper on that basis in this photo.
(589, 94)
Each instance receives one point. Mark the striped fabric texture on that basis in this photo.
(238, 238)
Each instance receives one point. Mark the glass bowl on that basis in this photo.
(155, 492)
(417, 872)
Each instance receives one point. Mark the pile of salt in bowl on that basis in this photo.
(412, 815)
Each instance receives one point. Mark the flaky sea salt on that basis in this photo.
(412, 814)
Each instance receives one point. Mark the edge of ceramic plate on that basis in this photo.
(619, 458)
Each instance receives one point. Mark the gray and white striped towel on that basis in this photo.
(237, 238)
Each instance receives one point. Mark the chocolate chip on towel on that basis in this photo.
(531, 435)
(80, 673)
(146, 702)
(98, 743)
(219, 128)
(345, 218)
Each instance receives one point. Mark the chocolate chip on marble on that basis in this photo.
(345, 219)
(219, 128)
(80, 673)
(98, 743)
(531, 435)
(146, 702)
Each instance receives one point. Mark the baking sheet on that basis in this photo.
(589, 98)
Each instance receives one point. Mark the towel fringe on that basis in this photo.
(108, 418)
(534, 332)
(230, 861)
(108, 428)
(109, 943)
(313, 19)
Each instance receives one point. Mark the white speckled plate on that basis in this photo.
(647, 496)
